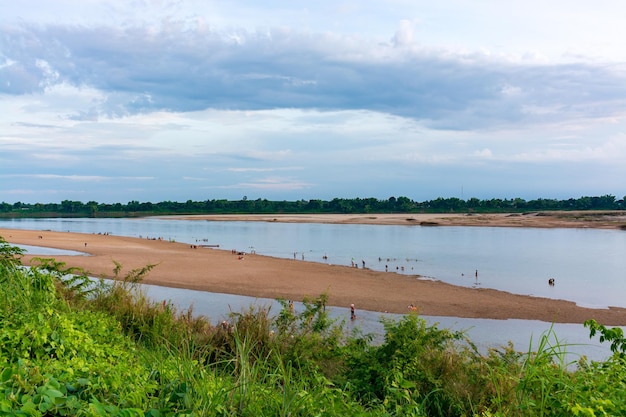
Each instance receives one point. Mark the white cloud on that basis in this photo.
(79, 178)
(270, 184)
(147, 100)
(263, 169)
(404, 34)
(484, 153)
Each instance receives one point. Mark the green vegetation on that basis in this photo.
(337, 205)
(69, 346)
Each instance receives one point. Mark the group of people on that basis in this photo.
(356, 265)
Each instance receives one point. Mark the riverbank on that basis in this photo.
(183, 266)
(543, 219)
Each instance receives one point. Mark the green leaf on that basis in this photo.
(53, 393)
(7, 373)
(407, 384)
(131, 412)
(30, 409)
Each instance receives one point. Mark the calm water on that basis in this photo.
(588, 265)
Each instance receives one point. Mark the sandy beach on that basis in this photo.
(183, 266)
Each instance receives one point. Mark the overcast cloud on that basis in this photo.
(175, 100)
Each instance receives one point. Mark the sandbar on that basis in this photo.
(181, 265)
(601, 219)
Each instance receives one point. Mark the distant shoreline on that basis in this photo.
(543, 219)
(180, 265)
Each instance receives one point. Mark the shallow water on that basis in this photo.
(43, 251)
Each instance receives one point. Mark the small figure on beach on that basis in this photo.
(551, 282)
(352, 312)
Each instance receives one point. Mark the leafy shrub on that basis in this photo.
(411, 372)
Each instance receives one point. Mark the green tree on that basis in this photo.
(93, 208)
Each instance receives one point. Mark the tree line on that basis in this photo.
(68, 208)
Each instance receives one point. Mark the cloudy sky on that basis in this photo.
(155, 100)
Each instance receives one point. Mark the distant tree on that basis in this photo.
(518, 203)
(605, 202)
(473, 204)
(147, 206)
(404, 204)
(72, 207)
(336, 205)
(314, 206)
(93, 208)
(132, 205)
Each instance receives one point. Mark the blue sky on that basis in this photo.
(155, 100)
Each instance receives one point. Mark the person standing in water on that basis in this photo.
(352, 312)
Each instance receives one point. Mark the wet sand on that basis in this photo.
(182, 266)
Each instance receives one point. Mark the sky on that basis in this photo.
(159, 100)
